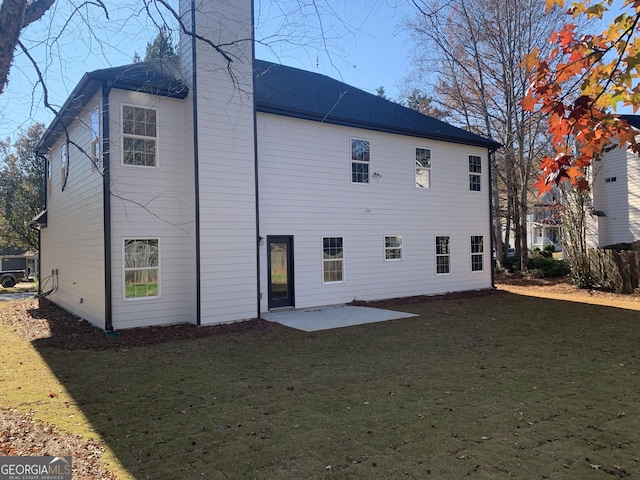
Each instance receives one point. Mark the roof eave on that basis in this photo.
(348, 122)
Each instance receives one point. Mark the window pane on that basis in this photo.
(474, 183)
(475, 164)
(442, 264)
(423, 157)
(359, 150)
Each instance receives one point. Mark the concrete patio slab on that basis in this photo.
(336, 316)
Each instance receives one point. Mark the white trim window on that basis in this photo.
(49, 179)
(332, 260)
(477, 253)
(141, 267)
(475, 173)
(423, 167)
(139, 134)
(360, 160)
(443, 255)
(64, 165)
(94, 151)
(392, 248)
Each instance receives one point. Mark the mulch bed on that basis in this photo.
(54, 327)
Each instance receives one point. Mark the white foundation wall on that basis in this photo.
(306, 192)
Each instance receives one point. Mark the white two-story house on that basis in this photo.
(616, 193)
(196, 190)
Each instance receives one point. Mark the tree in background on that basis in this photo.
(162, 46)
(22, 190)
(469, 54)
(578, 86)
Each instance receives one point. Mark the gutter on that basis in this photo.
(196, 165)
(106, 206)
(491, 232)
(255, 166)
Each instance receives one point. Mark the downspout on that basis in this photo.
(43, 202)
(255, 164)
(196, 168)
(106, 206)
(491, 230)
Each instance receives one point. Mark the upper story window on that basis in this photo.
(475, 173)
(139, 136)
(393, 247)
(423, 168)
(443, 254)
(96, 157)
(477, 253)
(48, 175)
(64, 165)
(360, 156)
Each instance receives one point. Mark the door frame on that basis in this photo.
(289, 300)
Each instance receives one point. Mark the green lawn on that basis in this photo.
(491, 387)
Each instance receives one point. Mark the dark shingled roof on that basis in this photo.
(278, 90)
(633, 120)
(297, 93)
(160, 76)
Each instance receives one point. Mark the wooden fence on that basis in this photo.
(613, 270)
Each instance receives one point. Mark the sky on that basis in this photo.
(362, 45)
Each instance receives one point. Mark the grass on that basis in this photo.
(495, 386)
(20, 288)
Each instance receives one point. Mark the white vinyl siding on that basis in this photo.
(73, 242)
(291, 204)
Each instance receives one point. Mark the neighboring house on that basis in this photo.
(194, 191)
(616, 193)
(544, 223)
(19, 259)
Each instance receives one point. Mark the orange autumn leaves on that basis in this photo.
(580, 84)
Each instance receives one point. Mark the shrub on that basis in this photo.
(549, 248)
(544, 267)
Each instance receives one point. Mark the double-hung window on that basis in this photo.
(393, 247)
(141, 268)
(475, 173)
(360, 158)
(423, 168)
(477, 253)
(332, 260)
(139, 131)
(443, 254)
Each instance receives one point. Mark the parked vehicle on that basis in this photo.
(9, 278)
